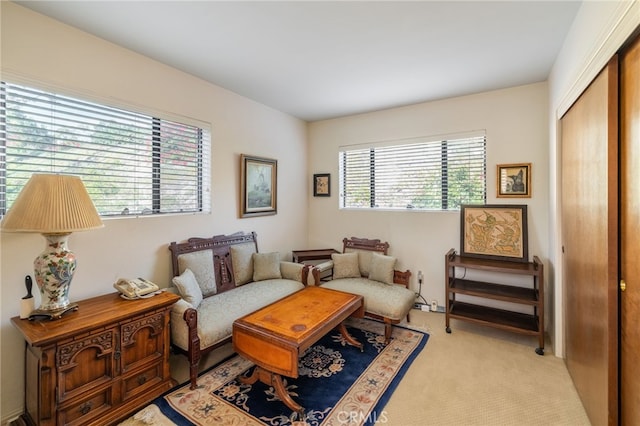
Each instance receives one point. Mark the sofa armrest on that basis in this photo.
(402, 277)
(179, 327)
(294, 271)
(315, 271)
(324, 266)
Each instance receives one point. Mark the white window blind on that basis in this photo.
(131, 163)
(430, 175)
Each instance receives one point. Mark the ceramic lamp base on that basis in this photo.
(54, 269)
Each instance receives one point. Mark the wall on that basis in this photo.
(516, 125)
(598, 31)
(38, 50)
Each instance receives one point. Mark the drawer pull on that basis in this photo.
(86, 407)
(142, 380)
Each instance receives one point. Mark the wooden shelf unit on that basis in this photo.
(533, 296)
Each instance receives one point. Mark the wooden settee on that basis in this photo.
(365, 268)
(221, 279)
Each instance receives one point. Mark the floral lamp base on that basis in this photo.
(54, 269)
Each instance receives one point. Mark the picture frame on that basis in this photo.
(322, 185)
(514, 180)
(258, 186)
(492, 231)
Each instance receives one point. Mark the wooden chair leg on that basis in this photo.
(387, 332)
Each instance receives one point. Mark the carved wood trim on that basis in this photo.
(156, 322)
(66, 353)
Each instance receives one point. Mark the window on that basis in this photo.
(131, 163)
(417, 174)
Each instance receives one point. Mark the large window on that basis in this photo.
(418, 174)
(131, 163)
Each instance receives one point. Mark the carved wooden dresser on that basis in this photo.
(98, 364)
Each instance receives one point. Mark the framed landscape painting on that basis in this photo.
(258, 186)
(497, 232)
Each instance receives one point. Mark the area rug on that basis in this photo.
(337, 385)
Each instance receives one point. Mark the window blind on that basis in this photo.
(131, 163)
(433, 175)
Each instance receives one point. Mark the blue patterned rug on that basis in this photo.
(337, 384)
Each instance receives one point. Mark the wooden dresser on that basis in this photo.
(98, 364)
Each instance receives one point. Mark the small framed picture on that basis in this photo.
(321, 185)
(514, 180)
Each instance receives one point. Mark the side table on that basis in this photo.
(302, 256)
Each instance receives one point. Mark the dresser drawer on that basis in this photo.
(141, 381)
(84, 410)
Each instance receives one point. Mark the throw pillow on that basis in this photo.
(364, 260)
(266, 266)
(188, 287)
(381, 268)
(345, 265)
(201, 264)
(242, 262)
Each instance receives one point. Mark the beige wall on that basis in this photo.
(515, 121)
(45, 52)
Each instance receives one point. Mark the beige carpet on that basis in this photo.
(473, 376)
(483, 376)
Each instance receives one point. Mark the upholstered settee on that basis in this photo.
(365, 268)
(221, 279)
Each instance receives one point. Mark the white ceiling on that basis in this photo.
(325, 59)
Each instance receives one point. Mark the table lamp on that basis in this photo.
(54, 205)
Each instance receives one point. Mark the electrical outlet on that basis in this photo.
(425, 308)
(434, 305)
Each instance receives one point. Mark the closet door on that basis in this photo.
(590, 245)
(630, 236)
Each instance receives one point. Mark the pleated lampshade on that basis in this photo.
(52, 204)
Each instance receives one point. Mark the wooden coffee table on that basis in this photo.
(275, 336)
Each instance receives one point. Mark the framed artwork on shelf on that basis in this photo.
(497, 232)
(321, 185)
(514, 180)
(258, 186)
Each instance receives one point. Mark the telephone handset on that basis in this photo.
(136, 288)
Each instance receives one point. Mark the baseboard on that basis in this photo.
(13, 420)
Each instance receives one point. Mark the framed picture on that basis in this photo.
(258, 186)
(514, 180)
(321, 185)
(497, 232)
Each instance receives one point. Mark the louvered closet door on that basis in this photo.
(590, 245)
(630, 237)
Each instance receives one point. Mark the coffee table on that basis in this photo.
(275, 336)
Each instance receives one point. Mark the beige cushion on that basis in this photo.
(381, 268)
(345, 265)
(364, 260)
(391, 301)
(242, 262)
(188, 287)
(201, 264)
(266, 266)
